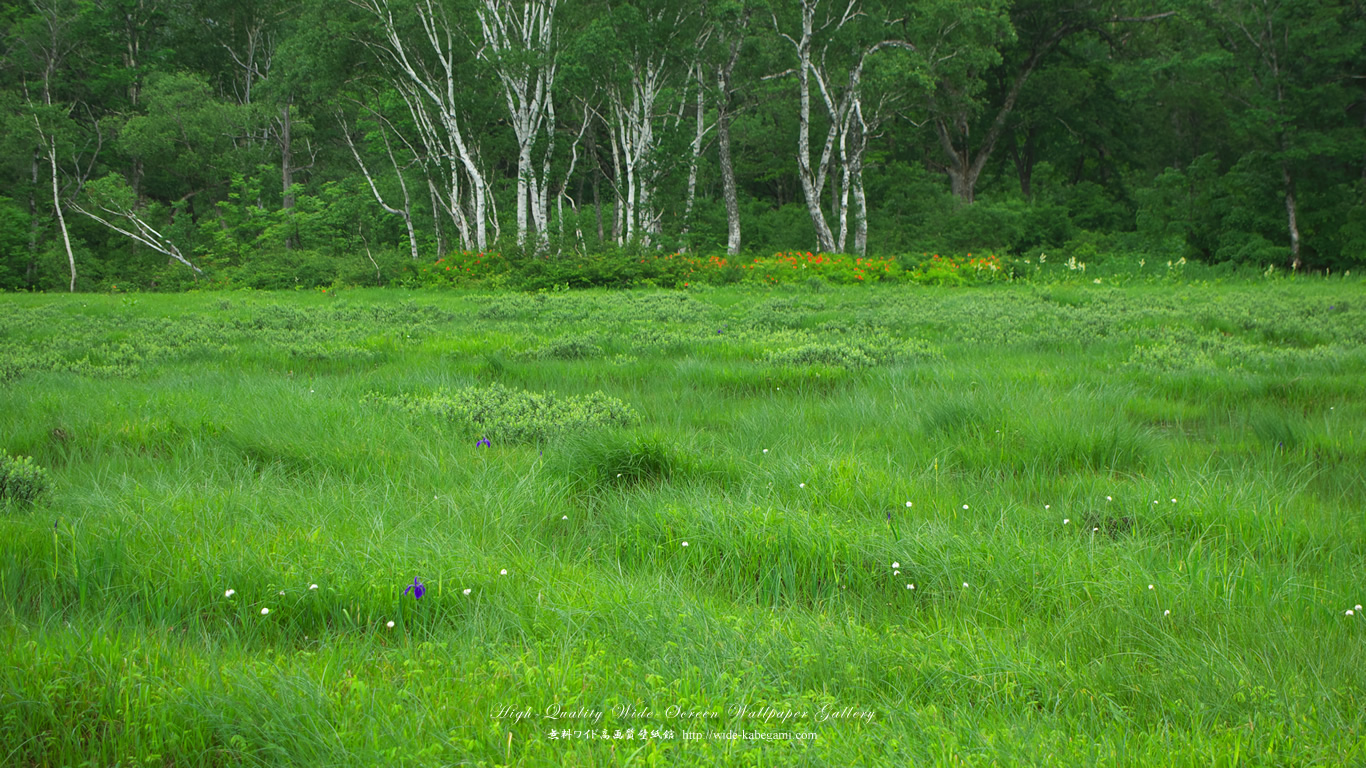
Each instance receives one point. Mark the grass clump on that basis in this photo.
(21, 479)
(622, 460)
(499, 413)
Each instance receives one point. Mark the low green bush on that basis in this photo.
(21, 479)
(497, 413)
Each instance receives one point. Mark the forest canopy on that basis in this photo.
(151, 142)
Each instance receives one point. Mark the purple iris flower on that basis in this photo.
(484, 443)
(416, 588)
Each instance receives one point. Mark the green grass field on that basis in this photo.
(1134, 519)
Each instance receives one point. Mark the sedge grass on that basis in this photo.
(1030, 463)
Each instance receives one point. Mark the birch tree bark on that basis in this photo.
(429, 81)
(734, 38)
(407, 210)
(848, 125)
(519, 42)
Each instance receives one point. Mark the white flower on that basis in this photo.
(896, 565)
(1150, 586)
(1166, 613)
(1349, 611)
(312, 586)
(1097, 528)
(282, 593)
(801, 485)
(390, 625)
(1358, 607)
(1107, 498)
(896, 573)
(908, 503)
(965, 506)
(1154, 502)
(910, 586)
(564, 517)
(1173, 501)
(467, 591)
(503, 572)
(965, 584)
(230, 593)
(1066, 520)
(685, 543)
(765, 450)
(1047, 506)
(265, 611)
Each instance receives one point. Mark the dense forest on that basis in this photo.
(149, 142)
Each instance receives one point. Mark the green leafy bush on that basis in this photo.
(498, 413)
(21, 479)
(849, 356)
(572, 347)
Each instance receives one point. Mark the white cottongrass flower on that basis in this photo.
(1047, 506)
(801, 485)
(230, 593)
(1167, 612)
(467, 591)
(1349, 612)
(564, 517)
(765, 450)
(312, 586)
(908, 503)
(685, 543)
(965, 506)
(910, 586)
(503, 572)
(282, 593)
(1150, 586)
(1107, 498)
(1066, 520)
(265, 611)
(390, 625)
(1358, 607)
(896, 573)
(896, 565)
(965, 584)
(1173, 501)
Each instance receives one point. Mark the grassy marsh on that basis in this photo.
(1032, 462)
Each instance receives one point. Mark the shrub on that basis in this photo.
(495, 412)
(21, 479)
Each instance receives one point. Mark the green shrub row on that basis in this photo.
(497, 413)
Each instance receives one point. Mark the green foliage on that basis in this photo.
(1057, 447)
(21, 480)
(500, 414)
(617, 460)
(13, 246)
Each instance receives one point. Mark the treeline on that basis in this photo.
(149, 142)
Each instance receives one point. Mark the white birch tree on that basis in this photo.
(429, 78)
(519, 43)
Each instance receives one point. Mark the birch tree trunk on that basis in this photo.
(728, 190)
(407, 211)
(695, 159)
(519, 43)
(812, 179)
(57, 207)
(429, 87)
